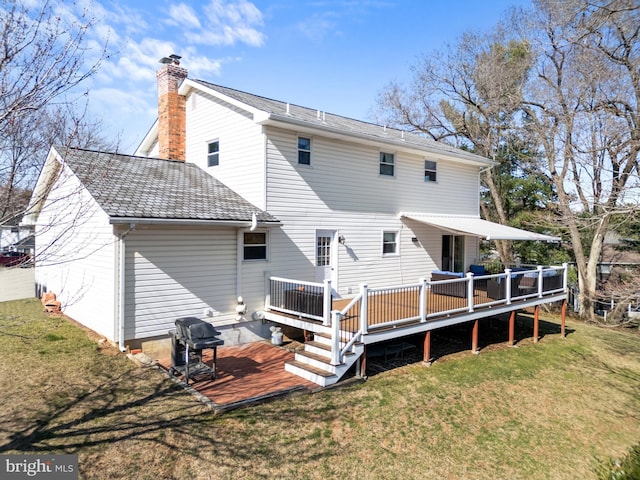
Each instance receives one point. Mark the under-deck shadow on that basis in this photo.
(447, 342)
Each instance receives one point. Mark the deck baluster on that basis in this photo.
(423, 300)
(470, 291)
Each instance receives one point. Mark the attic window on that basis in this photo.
(304, 151)
(387, 164)
(213, 153)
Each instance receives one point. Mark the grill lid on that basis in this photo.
(194, 329)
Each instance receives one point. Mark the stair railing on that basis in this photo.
(339, 347)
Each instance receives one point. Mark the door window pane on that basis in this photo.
(323, 251)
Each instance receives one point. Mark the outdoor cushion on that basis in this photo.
(444, 272)
(477, 269)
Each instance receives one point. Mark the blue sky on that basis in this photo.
(333, 55)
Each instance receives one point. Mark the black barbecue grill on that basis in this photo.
(188, 340)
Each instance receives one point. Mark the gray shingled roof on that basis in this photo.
(322, 120)
(126, 186)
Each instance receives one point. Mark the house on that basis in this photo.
(230, 191)
(16, 237)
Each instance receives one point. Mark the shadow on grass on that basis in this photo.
(143, 406)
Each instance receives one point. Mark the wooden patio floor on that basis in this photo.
(247, 373)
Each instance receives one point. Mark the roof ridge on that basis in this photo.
(205, 82)
(67, 148)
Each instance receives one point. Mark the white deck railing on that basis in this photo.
(380, 308)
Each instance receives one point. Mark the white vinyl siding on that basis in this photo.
(241, 166)
(178, 272)
(75, 249)
(327, 197)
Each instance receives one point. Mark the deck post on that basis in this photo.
(540, 282)
(423, 300)
(267, 290)
(427, 348)
(470, 291)
(362, 363)
(364, 304)
(474, 337)
(335, 337)
(326, 310)
(512, 328)
(507, 286)
(536, 315)
(562, 317)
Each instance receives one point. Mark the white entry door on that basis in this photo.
(326, 256)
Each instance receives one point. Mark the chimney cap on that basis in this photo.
(173, 58)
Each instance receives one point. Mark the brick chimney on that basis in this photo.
(171, 109)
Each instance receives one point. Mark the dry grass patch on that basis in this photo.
(546, 411)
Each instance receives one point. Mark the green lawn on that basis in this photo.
(550, 410)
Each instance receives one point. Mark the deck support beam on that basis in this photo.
(562, 318)
(361, 368)
(427, 348)
(536, 323)
(474, 337)
(512, 328)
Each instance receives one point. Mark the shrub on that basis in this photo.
(626, 468)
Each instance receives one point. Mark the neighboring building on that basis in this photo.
(254, 187)
(16, 237)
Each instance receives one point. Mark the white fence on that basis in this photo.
(17, 283)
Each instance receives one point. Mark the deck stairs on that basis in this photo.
(314, 362)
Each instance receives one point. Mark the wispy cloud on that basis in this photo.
(228, 23)
(333, 17)
(184, 16)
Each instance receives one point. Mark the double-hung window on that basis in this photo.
(387, 163)
(304, 151)
(389, 243)
(213, 153)
(429, 171)
(255, 245)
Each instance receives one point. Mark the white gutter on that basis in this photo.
(187, 221)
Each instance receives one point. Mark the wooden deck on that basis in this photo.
(387, 307)
(343, 328)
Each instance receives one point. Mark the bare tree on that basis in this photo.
(582, 107)
(563, 77)
(42, 62)
(470, 96)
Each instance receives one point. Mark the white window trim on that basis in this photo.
(395, 164)
(435, 170)
(209, 142)
(310, 138)
(397, 252)
(267, 245)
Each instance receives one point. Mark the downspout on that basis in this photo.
(240, 252)
(121, 290)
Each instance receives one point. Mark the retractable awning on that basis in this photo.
(467, 225)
